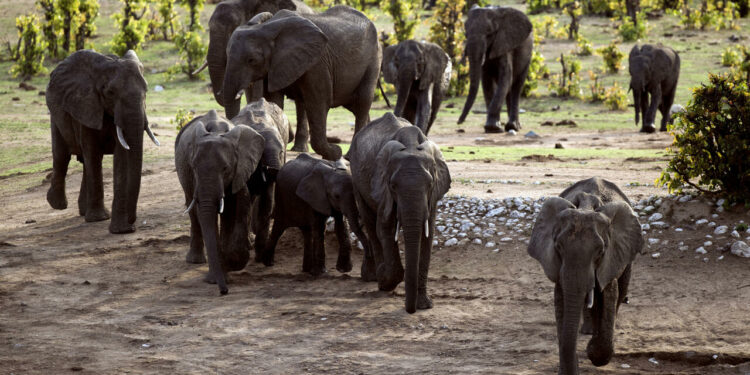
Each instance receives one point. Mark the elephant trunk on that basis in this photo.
(573, 302)
(130, 121)
(217, 63)
(230, 93)
(637, 103)
(207, 210)
(412, 221)
(405, 81)
(475, 51)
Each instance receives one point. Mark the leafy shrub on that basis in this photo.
(612, 57)
(630, 31)
(598, 91)
(167, 19)
(712, 140)
(447, 31)
(585, 48)
(537, 71)
(600, 7)
(712, 14)
(51, 25)
(131, 30)
(547, 28)
(29, 53)
(615, 98)
(539, 6)
(573, 9)
(405, 14)
(567, 84)
(182, 118)
(730, 57)
(88, 11)
(192, 49)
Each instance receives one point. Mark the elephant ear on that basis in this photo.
(441, 176)
(249, 149)
(381, 191)
(312, 189)
(634, 52)
(435, 65)
(78, 93)
(513, 28)
(390, 72)
(298, 46)
(623, 241)
(542, 243)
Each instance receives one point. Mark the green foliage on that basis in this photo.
(131, 29)
(730, 57)
(573, 9)
(712, 14)
(741, 227)
(630, 31)
(712, 140)
(612, 57)
(88, 11)
(537, 71)
(182, 118)
(29, 52)
(615, 98)
(598, 91)
(539, 6)
(189, 43)
(68, 10)
(194, 8)
(447, 31)
(405, 14)
(585, 48)
(567, 84)
(167, 19)
(547, 28)
(51, 25)
(600, 7)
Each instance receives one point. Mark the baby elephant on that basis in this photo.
(214, 161)
(308, 192)
(586, 242)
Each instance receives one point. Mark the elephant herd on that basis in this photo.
(236, 179)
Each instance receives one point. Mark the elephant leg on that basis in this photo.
(317, 113)
(514, 100)
(308, 252)
(424, 107)
(92, 163)
(60, 160)
(601, 346)
(391, 272)
(650, 116)
(195, 253)
(344, 261)
(505, 76)
(270, 250)
(262, 220)
(622, 284)
(363, 97)
(318, 246)
(437, 98)
(302, 136)
(373, 257)
(423, 299)
(410, 111)
(666, 104)
(646, 127)
(489, 86)
(82, 194)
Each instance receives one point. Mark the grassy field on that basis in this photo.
(24, 134)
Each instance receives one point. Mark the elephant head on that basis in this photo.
(222, 161)
(410, 177)
(328, 189)
(583, 252)
(281, 49)
(639, 65)
(227, 16)
(490, 33)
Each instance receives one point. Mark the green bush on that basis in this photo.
(447, 31)
(192, 49)
(88, 11)
(585, 48)
(630, 31)
(730, 57)
(182, 118)
(537, 71)
(615, 98)
(598, 91)
(51, 25)
(131, 29)
(167, 19)
(567, 84)
(29, 53)
(711, 14)
(573, 9)
(539, 6)
(545, 27)
(612, 57)
(712, 140)
(405, 14)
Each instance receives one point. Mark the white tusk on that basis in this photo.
(395, 238)
(427, 228)
(221, 205)
(121, 138)
(190, 207)
(239, 95)
(590, 299)
(340, 164)
(151, 135)
(205, 64)
(263, 174)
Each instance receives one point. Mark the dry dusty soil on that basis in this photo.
(74, 298)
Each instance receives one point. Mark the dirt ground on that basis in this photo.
(74, 298)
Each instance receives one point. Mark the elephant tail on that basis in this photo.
(382, 92)
(205, 64)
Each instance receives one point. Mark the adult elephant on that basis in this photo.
(499, 42)
(326, 60)
(228, 16)
(214, 162)
(586, 242)
(398, 175)
(654, 71)
(271, 123)
(421, 72)
(97, 106)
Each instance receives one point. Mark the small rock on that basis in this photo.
(653, 360)
(735, 234)
(653, 241)
(511, 132)
(708, 243)
(506, 239)
(701, 221)
(720, 257)
(489, 244)
(721, 229)
(678, 229)
(705, 260)
(682, 248)
(29, 221)
(477, 241)
(625, 365)
(701, 250)
(684, 198)
(158, 88)
(711, 224)
(720, 202)
(645, 227)
(531, 134)
(655, 255)
(655, 217)
(649, 209)
(740, 249)
(451, 242)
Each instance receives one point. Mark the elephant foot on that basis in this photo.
(424, 301)
(195, 256)
(344, 264)
(389, 278)
(599, 353)
(368, 269)
(492, 129)
(56, 199)
(648, 128)
(81, 209)
(513, 125)
(96, 214)
(317, 271)
(663, 128)
(300, 146)
(121, 227)
(210, 279)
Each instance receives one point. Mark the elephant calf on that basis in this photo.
(586, 242)
(214, 161)
(309, 191)
(654, 71)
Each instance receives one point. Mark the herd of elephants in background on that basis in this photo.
(236, 179)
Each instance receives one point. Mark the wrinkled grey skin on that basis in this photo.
(89, 96)
(399, 175)
(499, 42)
(654, 71)
(229, 15)
(309, 191)
(214, 162)
(270, 122)
(421, 72)
(325, 60)
(587, 251)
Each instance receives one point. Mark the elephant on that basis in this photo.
(325, 60)
(586, 241)
(270, 122)
(229, 15)
(499, 42)
(309, 191)
(97, 106)
(214, 160)
(421, 72)
(654, 71)
(399, 175)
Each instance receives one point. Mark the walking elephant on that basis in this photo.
(325, 60)
(214, 162)
(499, 42)
(398, 175)
(654, 71)
(586, 242)
(421, 72)
(97, 106)
(309, 191)
(271, 123)
(228, 16)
